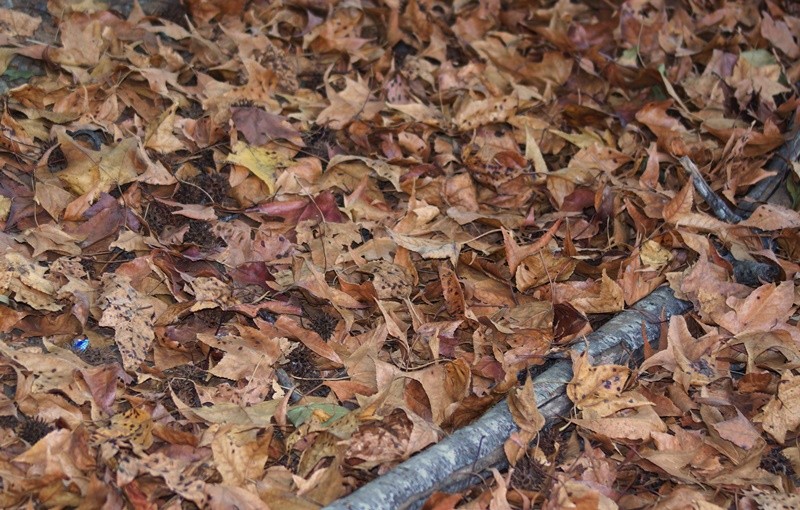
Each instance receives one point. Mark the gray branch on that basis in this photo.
(457, 461)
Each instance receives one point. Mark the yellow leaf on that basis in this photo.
(100, 170)
(533, 153)
(159, 134)
(5, 208)
(654, 255)
(262, 162)
(594, 385)
(134, 424)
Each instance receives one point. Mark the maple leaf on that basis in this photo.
(98, 171)
(351, 103)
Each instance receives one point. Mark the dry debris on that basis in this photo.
(261, 252)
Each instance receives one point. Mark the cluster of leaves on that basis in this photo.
(305, 239)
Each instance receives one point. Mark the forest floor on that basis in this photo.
(254, 254)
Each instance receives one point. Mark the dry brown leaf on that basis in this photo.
(239, 454)
(201, 178)
(523, 407)
(782, 413)
(765, 308)
(772, 217)
(389, 280)
(637, 425)
(451, 288)
(543, 268)
(739, 431)
(308, 338)
(160, 135)
(603, 296)
(99, 171)
(16, 23)
(27, 282)
(351, 103)
(428, 248)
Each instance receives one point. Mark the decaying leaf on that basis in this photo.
(132, 316)
(595, 388)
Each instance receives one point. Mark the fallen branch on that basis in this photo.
(455, 462)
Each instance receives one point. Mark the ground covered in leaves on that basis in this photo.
(254, 254)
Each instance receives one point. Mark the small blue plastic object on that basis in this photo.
(80, 344)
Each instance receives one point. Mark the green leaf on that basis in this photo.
(758, 58)
(793, 188)
(301, 414)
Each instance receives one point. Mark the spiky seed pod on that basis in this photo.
(324, 325)
(33, 429)
(200, 234)
(776, 463)
(184, 389)
(8, 422)
(204, 188)
(158, 216)
(215, 184)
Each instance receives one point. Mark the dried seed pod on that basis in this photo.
(324, 325)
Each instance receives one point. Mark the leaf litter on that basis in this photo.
(262, 252)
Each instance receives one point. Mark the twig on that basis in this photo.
(720, 208)
(450, 465)
(780, 163)
(288, 384)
